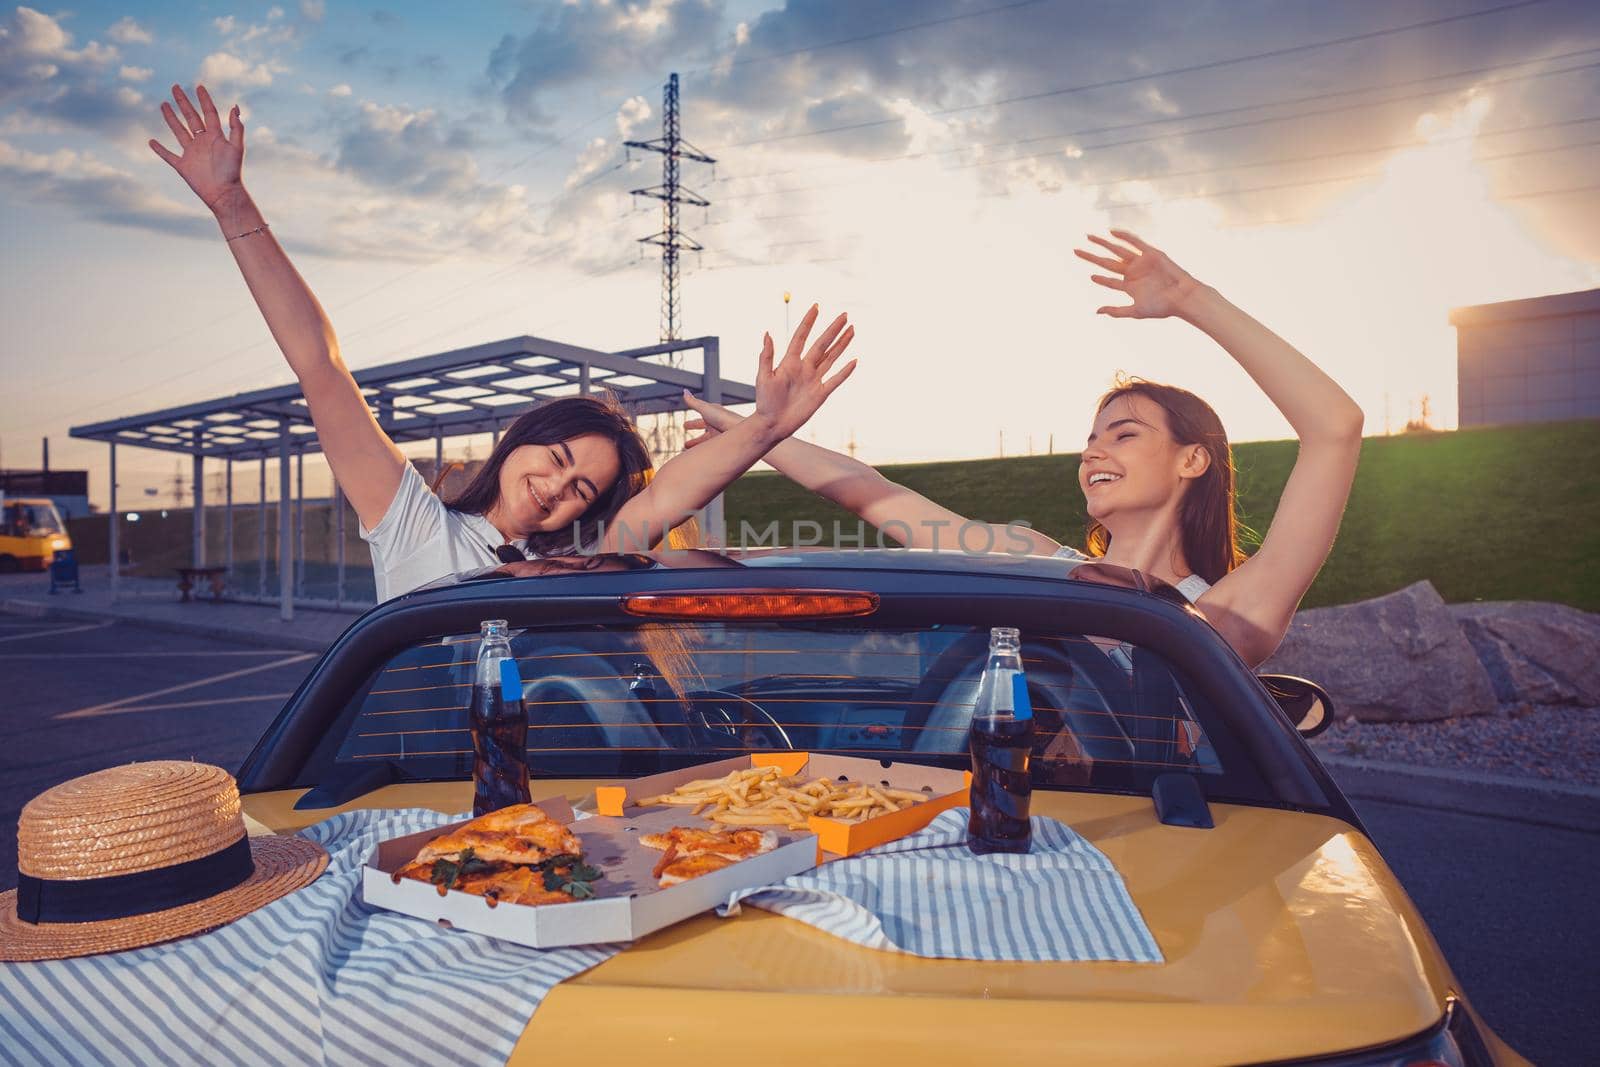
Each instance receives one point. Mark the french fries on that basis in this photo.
(763, 796)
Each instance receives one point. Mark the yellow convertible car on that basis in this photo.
(1285, 937)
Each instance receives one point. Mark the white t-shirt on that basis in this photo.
(1193, 587)
(419, 540)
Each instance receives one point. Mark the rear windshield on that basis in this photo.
(619, 702)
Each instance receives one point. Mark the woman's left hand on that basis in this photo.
(790, 393)
(1157, 286)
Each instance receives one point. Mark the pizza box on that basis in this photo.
(627, 903)
(946, 788)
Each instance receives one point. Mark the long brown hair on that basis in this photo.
(551, 423)
(1206, 515)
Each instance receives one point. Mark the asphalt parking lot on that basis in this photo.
(80, 696)
(1512, 904)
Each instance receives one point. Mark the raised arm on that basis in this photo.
(365, 462)
(1253, 604)
(864, 492)
(786, 396)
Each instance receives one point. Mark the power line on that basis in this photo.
(1392, 146)
(1177, 135)
(1215, 113)
(1342, 178)
(1270, 120)
(1215, 64)
(875, 35)
(1551, 192)
(1278, 186)
(1159, 176)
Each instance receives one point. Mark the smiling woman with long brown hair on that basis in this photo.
(570, 475)
(1157, 471)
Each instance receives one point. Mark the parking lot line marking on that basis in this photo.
(175, 705)
(114, 706)
(53, 633)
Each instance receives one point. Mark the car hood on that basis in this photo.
(1284, 935)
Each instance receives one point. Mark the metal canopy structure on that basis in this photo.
(451, 394)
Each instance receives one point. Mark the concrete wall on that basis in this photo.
(155, 544)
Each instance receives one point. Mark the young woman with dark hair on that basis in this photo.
(1157, 471)
(571, 475)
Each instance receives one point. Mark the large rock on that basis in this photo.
(1400, 657)
(1534, 652)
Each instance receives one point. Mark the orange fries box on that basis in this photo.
(945, 788)
(627, 903)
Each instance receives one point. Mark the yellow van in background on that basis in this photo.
(31, 532)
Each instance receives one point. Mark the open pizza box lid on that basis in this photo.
(944, 787)
(627, 903)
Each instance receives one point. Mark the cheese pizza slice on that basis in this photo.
(731, 845)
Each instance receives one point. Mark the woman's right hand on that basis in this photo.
(209, 161)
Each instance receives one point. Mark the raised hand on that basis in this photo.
(208, 160)
(790, 393)
(1157, 286)
(710, 419)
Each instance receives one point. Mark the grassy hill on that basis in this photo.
(1506, 513)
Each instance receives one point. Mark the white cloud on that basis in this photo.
(1157, 101)
(127, 31)
(313, 10)
(224, 68)
(62, 163)
(595, 153)
(632, 112)
(274, 13)
(340, 90)
(95, 190)
(42, 72)
(224, 25)
(33, 35)
(135, 74)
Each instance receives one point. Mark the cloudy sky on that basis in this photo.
(447, 175)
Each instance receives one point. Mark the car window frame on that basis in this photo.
(309, 727)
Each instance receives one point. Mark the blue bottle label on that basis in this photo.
(511, 681)
(1021, 707)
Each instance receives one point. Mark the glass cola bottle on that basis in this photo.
(1000, 740)
(499, 723)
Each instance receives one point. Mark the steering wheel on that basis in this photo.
(944, 727)
(717, 716)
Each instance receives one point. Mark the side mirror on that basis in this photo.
(1306, 704)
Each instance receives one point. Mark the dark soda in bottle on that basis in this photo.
(499, 725)
(1001, 739)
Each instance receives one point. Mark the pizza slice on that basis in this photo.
(731, 845)
(517, 854)
(683, 868)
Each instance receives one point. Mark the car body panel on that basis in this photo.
(1285, 936)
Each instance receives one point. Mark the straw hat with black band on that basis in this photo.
(137, 855)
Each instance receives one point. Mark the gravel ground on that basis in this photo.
(1557, 744)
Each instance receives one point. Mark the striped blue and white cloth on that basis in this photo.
(316, 977)
(928, 894)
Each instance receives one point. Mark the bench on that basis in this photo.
(188, 577)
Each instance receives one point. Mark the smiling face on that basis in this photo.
(1132, 462)
(545, 488)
